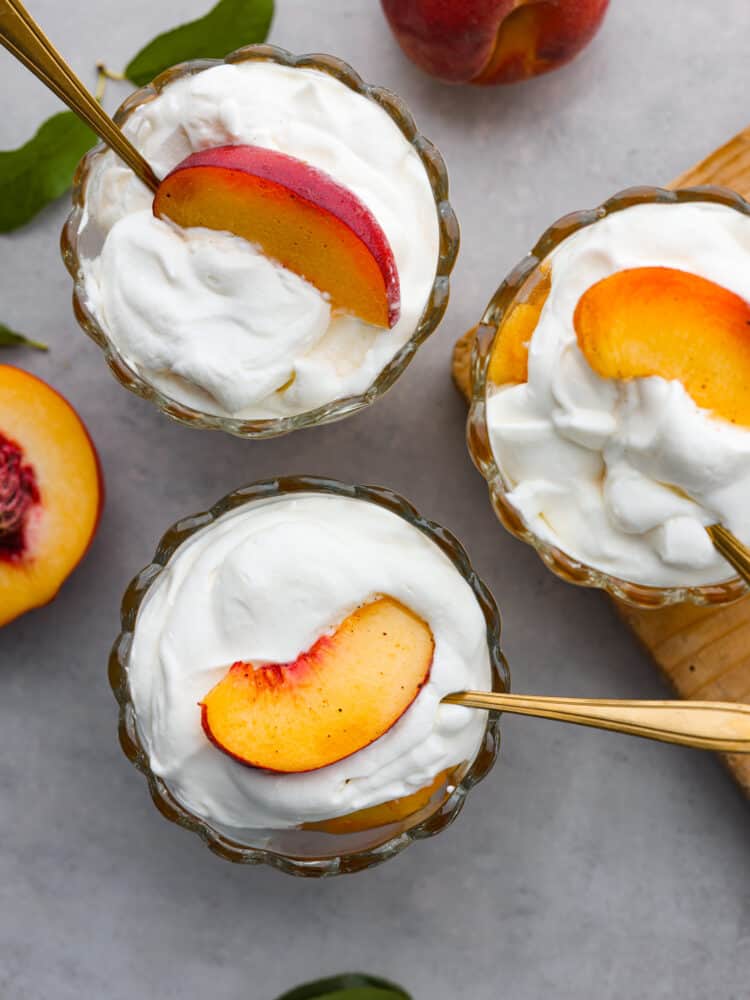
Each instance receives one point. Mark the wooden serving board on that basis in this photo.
(703, 652)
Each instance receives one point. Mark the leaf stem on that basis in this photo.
(9, 338)
(36, 344)
(104, 73)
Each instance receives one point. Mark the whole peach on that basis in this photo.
(492, 41)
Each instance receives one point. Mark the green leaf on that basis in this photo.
(347, 986)
(361, 993)
(40, 171)
(9, 338)
(227, 26)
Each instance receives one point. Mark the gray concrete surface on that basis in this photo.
(587, 865)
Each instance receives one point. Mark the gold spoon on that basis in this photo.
(23, 37)
(705, 725)
(729, 546)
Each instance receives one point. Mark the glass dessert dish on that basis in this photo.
(426, 790)
(528, 285)
(377, 365)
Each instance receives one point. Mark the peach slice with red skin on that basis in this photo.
(51, 492)
(296, 214)
(662, 321)
(339, 696)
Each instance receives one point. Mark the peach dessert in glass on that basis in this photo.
(294, 257)
(281, 669)
(611, 394)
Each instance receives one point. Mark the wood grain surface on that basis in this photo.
(702, 652)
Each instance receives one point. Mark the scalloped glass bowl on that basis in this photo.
(513, 289)
(336, 409)
(296, 851)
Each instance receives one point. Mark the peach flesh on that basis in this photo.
(297, 214)
(51, 492)
(662, 321)
(509, 362)
(412, 807)
(339, 696)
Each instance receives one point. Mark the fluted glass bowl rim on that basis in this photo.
(138, 591)
(477, 432)
(336, 409)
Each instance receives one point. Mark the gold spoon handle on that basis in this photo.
(23, 37)
(707, 725)
(728, 545)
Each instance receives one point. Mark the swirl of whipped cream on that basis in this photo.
(624, 475)
(263, 583)
(202, 314)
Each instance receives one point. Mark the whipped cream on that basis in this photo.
(202, 314)
(624, 475)
(263, 583)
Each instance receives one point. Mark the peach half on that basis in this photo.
(662, 321)
(339, 696)
(297, 215)
(51, 492)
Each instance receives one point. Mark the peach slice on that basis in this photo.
(342, 694)
(297, 214)
(662, 321)
(51, 492)
(509, 362)
(395, 811)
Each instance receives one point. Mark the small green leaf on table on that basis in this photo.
(41, 170)
(227, 26)
(348, 986)
(9, 338)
